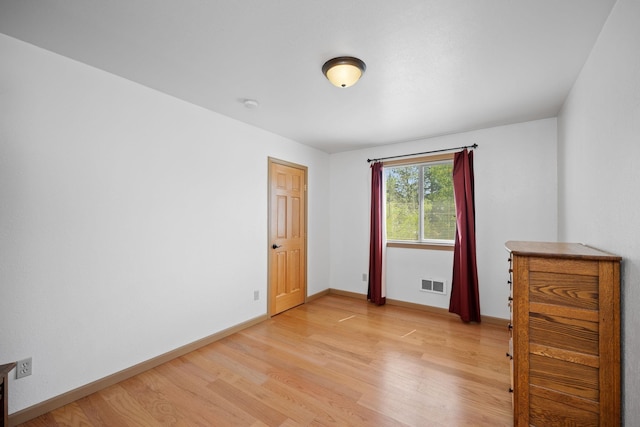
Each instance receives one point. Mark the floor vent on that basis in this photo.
(436, 286)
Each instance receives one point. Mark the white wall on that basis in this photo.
(131, 223)
(516, 199)
(599, 170)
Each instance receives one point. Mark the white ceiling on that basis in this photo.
(433, 66)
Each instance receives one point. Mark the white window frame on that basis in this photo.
(432, 244)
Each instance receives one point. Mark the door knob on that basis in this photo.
(274, 246)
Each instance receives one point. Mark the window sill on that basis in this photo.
(418, 245)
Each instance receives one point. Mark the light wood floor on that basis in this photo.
(334, 361)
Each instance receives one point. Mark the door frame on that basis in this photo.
(305, 169)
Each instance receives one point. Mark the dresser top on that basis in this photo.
(558, 249)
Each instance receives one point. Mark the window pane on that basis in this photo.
(403, 206)
(439, 205)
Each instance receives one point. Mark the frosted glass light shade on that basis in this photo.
(344, 71)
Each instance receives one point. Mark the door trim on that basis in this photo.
(305, 169)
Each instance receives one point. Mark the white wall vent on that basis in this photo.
(437, 286)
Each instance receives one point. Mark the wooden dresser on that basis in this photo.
(565, 335)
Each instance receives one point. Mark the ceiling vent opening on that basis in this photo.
(436, 286)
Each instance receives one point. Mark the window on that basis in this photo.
(420, 207)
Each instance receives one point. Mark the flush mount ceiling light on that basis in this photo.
(343, 71)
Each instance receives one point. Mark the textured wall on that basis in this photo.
(131, 223)
(599, 170)
(515, 177)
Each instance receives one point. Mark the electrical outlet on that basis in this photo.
(256, 295)
(364, 277)
(24, 368)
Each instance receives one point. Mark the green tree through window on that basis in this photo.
(419, 202)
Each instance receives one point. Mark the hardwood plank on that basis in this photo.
(151, 398)
(98, 411)
(333, 361)
(202, 404)
(71, 415)
(126, 406)
(45, 420)
(251, 405)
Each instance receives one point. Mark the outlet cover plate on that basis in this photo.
(24, 368)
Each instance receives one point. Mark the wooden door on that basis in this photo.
(287, 236)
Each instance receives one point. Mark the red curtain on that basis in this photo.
(375, 293)
(465, 299)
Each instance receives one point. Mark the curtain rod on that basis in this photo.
(426, 152)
